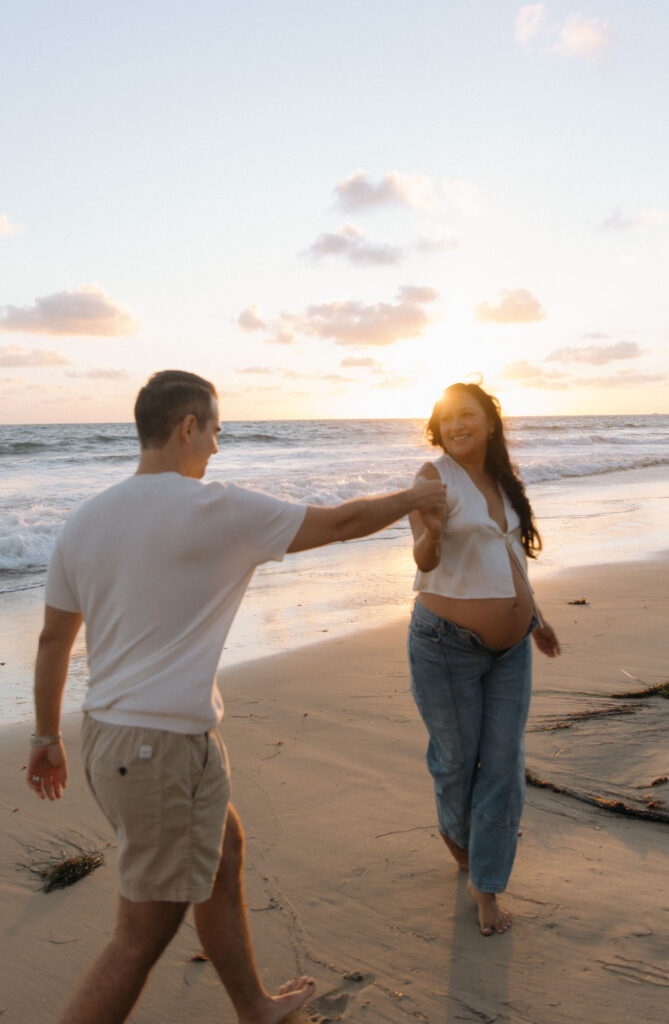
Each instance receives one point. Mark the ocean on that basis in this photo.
(599, 486)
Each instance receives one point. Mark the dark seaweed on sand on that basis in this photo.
(659, 690)
(581, 716)
(67, 872)
(652, 812)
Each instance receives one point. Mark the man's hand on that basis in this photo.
(47, 771)
(47, 766)
(546, 640)
(429, 496)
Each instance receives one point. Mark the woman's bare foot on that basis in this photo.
(292, 994)
(491, 916)
(460, 856)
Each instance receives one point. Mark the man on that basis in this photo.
(156, 567)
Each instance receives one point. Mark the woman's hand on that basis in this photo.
(434, 520)
(427, 522)
(546, 640)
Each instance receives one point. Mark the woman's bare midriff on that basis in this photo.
(500, 622)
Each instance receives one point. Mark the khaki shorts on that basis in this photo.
(166, 796)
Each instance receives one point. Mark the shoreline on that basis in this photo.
(347, 878)
(614, 518)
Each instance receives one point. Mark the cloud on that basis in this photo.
(393, 380)
(515, 306)
(12, 388)
(288, 374)
(351, 243)
(623, 378)
(529, 375)
(358, 191)
(45, 394)
(273, 390)
(87, 310)
(576, 37)
(530, 22)
(616, 221)
(283, 330)
(436, 243)
(338, 378)
(16, 355)
(249, 320)
(364, 362)
(7, 228)
(417, 293)
(353, 323)
(596, 355)
(298, 375)
(584, 37)
(416, 191)
(98, 373)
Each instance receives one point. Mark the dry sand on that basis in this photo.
(347, 878)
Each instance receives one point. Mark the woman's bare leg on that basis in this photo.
(491, 916)
(460, 855)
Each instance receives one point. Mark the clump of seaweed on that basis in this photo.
(60, 874)
(579, 600)
(652, 812)
(659, 690)
(581, 716)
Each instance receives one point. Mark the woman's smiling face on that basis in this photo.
(464, 428)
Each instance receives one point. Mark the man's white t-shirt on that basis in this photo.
(158, 565)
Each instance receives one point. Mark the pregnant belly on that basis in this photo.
(500, 622)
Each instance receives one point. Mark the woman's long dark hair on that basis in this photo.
(497, 461)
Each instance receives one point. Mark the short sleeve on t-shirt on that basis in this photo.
(58, 590)
(262, 527)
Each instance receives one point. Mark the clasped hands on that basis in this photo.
(432, 508)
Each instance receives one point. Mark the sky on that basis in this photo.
(334, 209)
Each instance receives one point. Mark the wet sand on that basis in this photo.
(347, 878)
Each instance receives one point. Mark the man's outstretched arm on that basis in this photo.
(47, 765)
(362, 516)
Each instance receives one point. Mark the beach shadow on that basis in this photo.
(473, 958)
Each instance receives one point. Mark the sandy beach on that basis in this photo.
(347, 878)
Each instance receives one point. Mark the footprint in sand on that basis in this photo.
(332, 1005)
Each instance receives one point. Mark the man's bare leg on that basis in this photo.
(110, 988)
(491, 916)
(223, 929)
(460, 855)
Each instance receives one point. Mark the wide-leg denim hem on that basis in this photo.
(474, 701)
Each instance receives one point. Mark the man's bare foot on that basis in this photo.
(460, 856)
(292, 994)
(491, 916)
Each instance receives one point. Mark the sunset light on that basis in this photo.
(462, 195)
(334, 449)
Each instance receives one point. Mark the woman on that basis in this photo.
(469, 641)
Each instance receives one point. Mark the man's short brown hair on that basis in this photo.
(165, 399)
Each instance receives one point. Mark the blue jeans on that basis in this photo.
(474, 702)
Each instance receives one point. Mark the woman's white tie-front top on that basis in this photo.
(475, 550)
